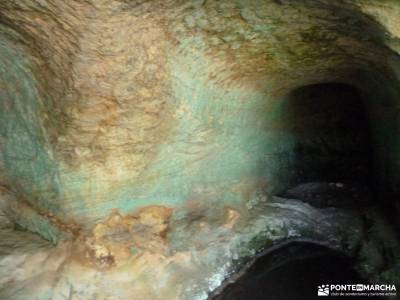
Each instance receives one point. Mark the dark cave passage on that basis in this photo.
(333, 156)
(332, 133)
(293, 272)
(163, 149)
(332, 166)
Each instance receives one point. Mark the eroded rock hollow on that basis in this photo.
(150, 149)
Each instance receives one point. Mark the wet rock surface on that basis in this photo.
(293, 271)
(151, 254)
(141, 141)
(332, 194)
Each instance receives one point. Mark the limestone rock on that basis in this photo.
(144, 139)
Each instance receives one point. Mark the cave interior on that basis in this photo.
(192, 150)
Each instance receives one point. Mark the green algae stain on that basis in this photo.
(227, 145)
(23, 153)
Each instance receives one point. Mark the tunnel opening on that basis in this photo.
(331, 165)
(140, 144)
(292, 270)
(332, 157)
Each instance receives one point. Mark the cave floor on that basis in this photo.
(294, 271)
(200, 253)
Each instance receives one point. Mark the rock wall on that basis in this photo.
(116, 104)
(147, 139)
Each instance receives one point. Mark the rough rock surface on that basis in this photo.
(331, 194)
(138, 134)
(115, 104)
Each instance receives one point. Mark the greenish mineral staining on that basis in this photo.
(148, 149)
